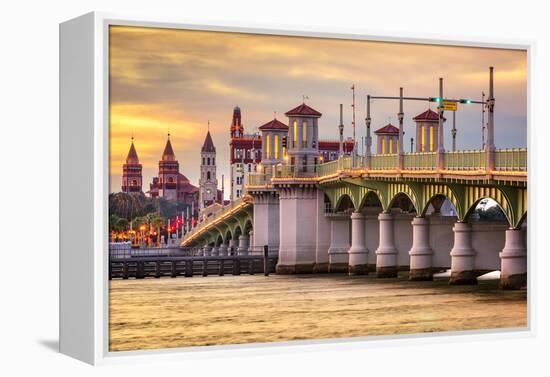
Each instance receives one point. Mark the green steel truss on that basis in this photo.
(511, 199)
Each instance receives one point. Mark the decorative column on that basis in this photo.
(243, 245)
(463, 256)
(421, 252)
(513, 261)
(358, 251)
(339, 243)
(386, 254)
(222, 250)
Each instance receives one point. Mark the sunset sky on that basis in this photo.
(165, 80)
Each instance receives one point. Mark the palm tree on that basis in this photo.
(157, 222)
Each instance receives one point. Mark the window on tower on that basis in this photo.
(208, 174)
(295, 135)
(213, 160)
(304, 134)
(208, 161)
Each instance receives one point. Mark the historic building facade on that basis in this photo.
(170, 184)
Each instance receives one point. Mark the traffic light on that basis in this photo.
(465, 101)
(434, 99)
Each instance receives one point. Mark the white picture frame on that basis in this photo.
(84, 179)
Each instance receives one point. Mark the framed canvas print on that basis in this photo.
(224, 187)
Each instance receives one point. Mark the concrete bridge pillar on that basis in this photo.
(265, 219)
(297, 229)
(222, 250)
(243, 245)
(339, 243)
(214, 252)
(386, 254)
(322, 243)
(206, 251)
(251, 243)
(463, 256)
(513, 259)
(233, 245)
(421, 252)
(358, 251)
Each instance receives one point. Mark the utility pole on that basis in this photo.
(440, 147)
(400, 116)
(483, 121)
(453, 131)
(412, 143)
(353, 125)
(368, 139)
(490, 148)
(341, 129)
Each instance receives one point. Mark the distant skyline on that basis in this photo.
(167, 80)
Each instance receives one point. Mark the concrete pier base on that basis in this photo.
(358, 251)
(513, 259)
(206, 251)
(421, 252)
(294, 269)
(463, 256)
(222, 250)
(320, 268)
(386, 254)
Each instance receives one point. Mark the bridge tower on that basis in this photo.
(132, 172)
(299, 198)
(272, 143)
(303, 136)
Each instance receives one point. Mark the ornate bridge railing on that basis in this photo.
(214, 217)
(511, 159)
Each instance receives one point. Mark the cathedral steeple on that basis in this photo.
(168, 173)
(168, 154)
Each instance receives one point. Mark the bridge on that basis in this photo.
(382, 212)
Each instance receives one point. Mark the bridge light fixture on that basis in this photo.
(435, 99)
(465, 101)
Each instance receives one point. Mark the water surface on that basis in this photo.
(198, 311)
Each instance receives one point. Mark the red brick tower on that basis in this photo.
(131, 172)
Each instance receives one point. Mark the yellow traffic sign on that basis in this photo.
(449, 106)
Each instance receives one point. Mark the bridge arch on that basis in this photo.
(403, 201)
(431, 193)
(345, 202)
(395, 189)
(219, 241)
(370, 199)
(474, 195)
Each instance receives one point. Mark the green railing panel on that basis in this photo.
(465, 160)
(511, 159)
(384, 162)
(420, 161)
